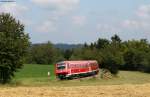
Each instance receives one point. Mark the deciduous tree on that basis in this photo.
(13, 46)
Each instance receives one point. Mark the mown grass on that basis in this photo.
(35, 71)
(36, 75)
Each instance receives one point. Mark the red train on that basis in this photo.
(76, 69)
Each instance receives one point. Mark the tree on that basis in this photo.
(136, 56)
(85, 45)
(67, 54)
(111, 58)
(13, 46)
(111, 64)
(45, 53)
(101, 43)
(116, 38)
(42, 53)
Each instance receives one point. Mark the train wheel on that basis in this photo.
(62, 77)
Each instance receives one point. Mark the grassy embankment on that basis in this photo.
(36, 75)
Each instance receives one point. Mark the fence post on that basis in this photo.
(48, 74)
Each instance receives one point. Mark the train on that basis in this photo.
(76, 69)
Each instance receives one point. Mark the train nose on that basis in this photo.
(61, 72)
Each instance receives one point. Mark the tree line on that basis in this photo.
(111, 54)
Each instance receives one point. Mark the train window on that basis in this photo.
(82, 66)
(72, 66)
(93, 64)
(86, 65)
(61, 66)
(76, 65)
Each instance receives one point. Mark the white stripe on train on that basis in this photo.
(81, 72)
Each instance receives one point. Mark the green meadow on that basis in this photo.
(36, 75)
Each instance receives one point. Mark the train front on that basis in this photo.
(61, 70)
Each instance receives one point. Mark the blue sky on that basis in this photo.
(79, 21)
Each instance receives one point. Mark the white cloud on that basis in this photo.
(144, 11)
(141, 20)
(131, 24)
(107, 28)
(13, 8)
(45, 27)
(136, 25)
(17, 10)
(58, 6)
(52, 10)
(79, 20)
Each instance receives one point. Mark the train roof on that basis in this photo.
(78, 61)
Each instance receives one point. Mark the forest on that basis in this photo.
(113, 54)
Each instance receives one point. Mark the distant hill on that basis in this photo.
(67, 46)
(63, 46)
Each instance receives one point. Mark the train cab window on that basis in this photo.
(61, 66)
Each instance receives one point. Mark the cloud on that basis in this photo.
(57, 6)
(46, 26)
(13, 8)
(107, 28)
(144, 11)
(17, 10)
(53, 10)
(136, 25)
(141, 20)
(131, 24)
(79, 20)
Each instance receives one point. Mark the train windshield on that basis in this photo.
(61, 66)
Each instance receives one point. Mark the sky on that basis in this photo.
(80, 21)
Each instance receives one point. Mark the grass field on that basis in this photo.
(36, 75)
(32, 81)
(35, 71)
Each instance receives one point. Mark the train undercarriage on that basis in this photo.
(75, 76)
